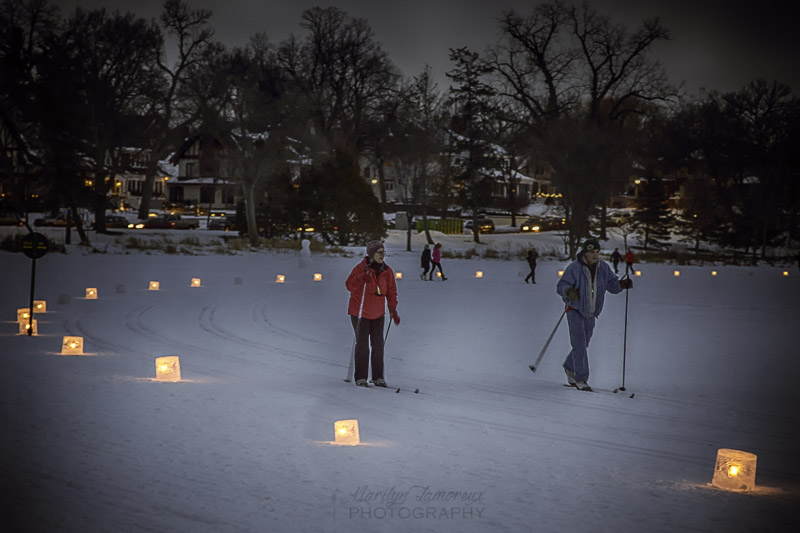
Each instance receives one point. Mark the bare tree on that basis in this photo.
(169, 112)
(112, 58)
(571, 69)
(341, 70)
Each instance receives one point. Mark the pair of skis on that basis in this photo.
(535, 365)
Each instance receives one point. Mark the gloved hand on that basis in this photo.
(395, 317)
(626, 283)
(573, 294)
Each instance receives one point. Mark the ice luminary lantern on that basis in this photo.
(39, 306)
(23, 314)
(398, 275)
(24, 325)
(317, 277)
(280, 278)
(714, 273)
(91, 293)
(195, 282)
(479, 273)
(560, 273)
(676, 273)
(154, 285)
(638, 274)
(168, 368)
(734, 470)
(72, 346)
(346, 432)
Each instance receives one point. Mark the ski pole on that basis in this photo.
(387, 331)
(535, 365)
(625, 339)
(350, 366)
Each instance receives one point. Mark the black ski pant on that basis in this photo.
(433, 269)
(368, 333)
(532, 275)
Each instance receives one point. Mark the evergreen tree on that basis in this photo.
(340, 203)
(653, 217)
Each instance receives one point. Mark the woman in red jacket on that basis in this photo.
(372, 287)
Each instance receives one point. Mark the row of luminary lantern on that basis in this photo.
(24, 317)
(168, 367)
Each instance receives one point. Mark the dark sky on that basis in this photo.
(717, 44)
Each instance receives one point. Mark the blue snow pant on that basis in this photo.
(580, 333)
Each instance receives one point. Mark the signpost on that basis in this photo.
(35, 246)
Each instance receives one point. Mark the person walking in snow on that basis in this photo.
(533, 255)
(629, 262)
(582, 288)
(437, 261)
(616, 258)
(372, 287)
(425, 262)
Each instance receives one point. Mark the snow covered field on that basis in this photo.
(243, 442)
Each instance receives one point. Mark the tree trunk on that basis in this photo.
(250, 213)
(409, 218)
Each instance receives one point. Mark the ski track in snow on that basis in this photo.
(474, 424)
(141, 321)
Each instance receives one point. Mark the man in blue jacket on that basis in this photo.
(583, 288)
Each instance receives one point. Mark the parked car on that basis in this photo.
(8, 218)
(536, 224)
(485, 225)
(59, 220)
(114, 221)
(169, 222)
(221, 223)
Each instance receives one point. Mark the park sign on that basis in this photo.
(34, 245)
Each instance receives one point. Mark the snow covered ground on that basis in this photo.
(243, 442)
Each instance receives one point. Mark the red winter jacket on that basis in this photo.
(374, 300)
(629, 257)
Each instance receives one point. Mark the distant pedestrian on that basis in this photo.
(532, 256)
(437, 261)
(616, 258)
(629, 259)
(582, 288)
(372, 287)
(425, 262)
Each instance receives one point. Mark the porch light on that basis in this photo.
(734, 470)
(39, 306)
(91, 293)
(479, 273)
(72, 346)
(154, 285)
(24, 326)
(317, 277)
(280, 279)
(346, 432)
(195, 282)
(168, 368)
